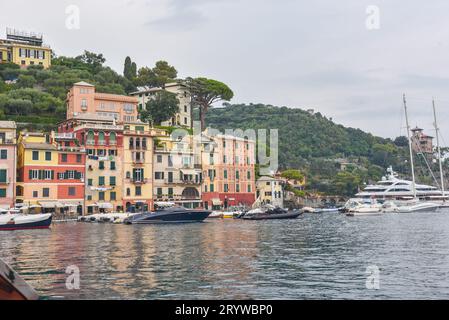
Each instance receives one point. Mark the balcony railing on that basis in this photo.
(139, 181)
(65, 136)
(98, 126)
(71, 149)
(182, 182)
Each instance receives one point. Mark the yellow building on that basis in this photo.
(270, 191)
(138, 166)
(24, 49)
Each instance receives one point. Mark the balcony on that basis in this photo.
(7, 141)
(99, 126)
(140, 147)
(182, 182)
(71, 149)
(65, 136)
(139, 181)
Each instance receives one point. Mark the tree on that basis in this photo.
(26, 81)
(127, 68)
(157, 76)
(293, 175)
(94, 60)
(161, 108)
(401, 141)
(205, 92)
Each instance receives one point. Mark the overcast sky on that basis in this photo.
(307, 54)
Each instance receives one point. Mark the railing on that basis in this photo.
(99, 126)
(66, 135)
(71, 149)
(139, 181)
(182, 182)
(7, 141)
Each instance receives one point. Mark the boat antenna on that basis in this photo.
(438, 146)
(410, 148)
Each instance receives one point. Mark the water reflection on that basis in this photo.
(316, 256)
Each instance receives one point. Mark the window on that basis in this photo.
(159, 159)
(101, 165)
(3, 176)
(170, 161)
(46, 192)
(159, 175)
(128, 192)
(89, 198)
(185, 121)
(248, 175)
(237, 159)
(225, 173)
(113, 196)
(90, 182)
(2, 193)
(78, 158)
(91, 138)
(237, 188)
(170, 192)
(72, 191)
(35, 194)
(226, 187)
(48, 156)
(138, 175)
(212, 188)
(84, 104)
(112, 138)
(70, 174)
(237, 175)
(112, 181)
(159, 192)
(101, 181)
(249, 188)
(185, 109)
(138, 191)
(64, 157)
(205, 188)
(48, 174)
(4, 154)
(113, 165)
(34, 174)
(101, 196)
(101, 141)
(224, 159)
(35, 155)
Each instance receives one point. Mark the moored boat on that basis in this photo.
(12, 286)
(9, 222)
(169, 215)
(271, 213)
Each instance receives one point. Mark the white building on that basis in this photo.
(184, 117)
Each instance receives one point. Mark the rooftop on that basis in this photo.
(8, 125)
(39, 146)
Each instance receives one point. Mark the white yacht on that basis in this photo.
(391, 187)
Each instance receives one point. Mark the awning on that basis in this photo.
(105, 205)
(190, 172)
(216, 202)
(54, 204)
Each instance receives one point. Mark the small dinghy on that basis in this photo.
(9, 222)
(12, 286)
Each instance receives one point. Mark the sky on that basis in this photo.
(351, 60)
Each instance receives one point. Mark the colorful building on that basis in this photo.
(184, 116)
(45, 182)
(138, 166)
(270, 191)
(83, 100)
(228, 165)
(8, 163)
(24, 49)
(421, 143)
(102, 140)
(177, 176)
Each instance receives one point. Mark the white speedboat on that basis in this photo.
(418, 206)
(359, 207)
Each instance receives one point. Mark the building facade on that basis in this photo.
(83, 100)
(184, 117)
(228, 165)
(45, 181)
(24, 49)
(102, 140)
(177, 177)
(421, 143)
(270, 191)
(138, 166)
(8, 163)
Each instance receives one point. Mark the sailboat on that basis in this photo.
(414, 205)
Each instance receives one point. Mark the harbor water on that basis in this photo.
(317, 256)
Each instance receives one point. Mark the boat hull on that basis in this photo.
(169, 218)
(23, 224)
(282, 216)
(12, 286)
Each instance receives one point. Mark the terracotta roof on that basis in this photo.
(83, 83)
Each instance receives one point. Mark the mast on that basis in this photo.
(410, 149)
(438, 146)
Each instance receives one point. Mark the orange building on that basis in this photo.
(82, 99)
(228, 164)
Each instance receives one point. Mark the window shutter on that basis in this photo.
(30, 174)
(40, 174)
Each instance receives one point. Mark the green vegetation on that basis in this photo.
(162, 107)
(335, 159)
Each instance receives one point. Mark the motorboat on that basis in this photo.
(418, 206)
(271, 213)
(9, 222)
(359, 207)
(13, 287)
(216, 215)
(116, 217)
(169, 214)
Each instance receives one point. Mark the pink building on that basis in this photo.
(82, 99)
(8, 151)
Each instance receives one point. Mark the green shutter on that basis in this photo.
(3, 176)
(30, 174)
